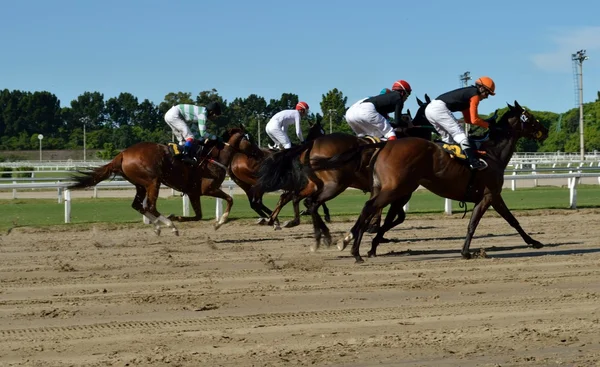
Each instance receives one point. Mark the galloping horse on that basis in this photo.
(401, 166)
(292, 171)
(244, 172)
(148, 165)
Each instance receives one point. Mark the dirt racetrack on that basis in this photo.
(115, 295)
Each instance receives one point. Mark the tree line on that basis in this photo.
(118, 122)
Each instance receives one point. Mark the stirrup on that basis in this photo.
(481, 165)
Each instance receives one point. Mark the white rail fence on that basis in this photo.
(64, 194)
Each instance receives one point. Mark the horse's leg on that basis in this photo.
(151, 197)
(196, 205)
(478, 212)
(139, 205)
(326, 213)
(371, 208)
(283, 199)
(500, 207)
(218, 193)
(395, 216)
(296, 221)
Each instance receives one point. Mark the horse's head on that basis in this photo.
(520, 122)
(420, 118)
(315, 131)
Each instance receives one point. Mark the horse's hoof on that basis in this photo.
(314, 247)
(290, 224)
(261, 221)
(385, 240)
(157, 231)
(536, 244)
(341, 245)
(466, 255)
(276, 227)
(372, 254)
(218, 225)
(327, 241)
(327, 219)
(359, 260)
(175, 232)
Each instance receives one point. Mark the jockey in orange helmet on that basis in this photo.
(465, 100)
(369, 115)
(277, 127)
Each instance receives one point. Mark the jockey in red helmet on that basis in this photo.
(277, 127)
(369, 115)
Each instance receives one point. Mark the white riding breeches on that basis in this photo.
(278, 134)
(180, 128)
(364, 119)
(445, 123)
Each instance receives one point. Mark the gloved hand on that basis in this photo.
(392, 138)
(188, 143)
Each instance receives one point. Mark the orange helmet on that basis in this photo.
(487, 83)
(402, 85)
(302, 106)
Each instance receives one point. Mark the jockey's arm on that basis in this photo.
(472, 116)
(202, 124)
(299, 128)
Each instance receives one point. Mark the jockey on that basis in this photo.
(177, 117)
(369, 115)
(277, 126)
(465, 100)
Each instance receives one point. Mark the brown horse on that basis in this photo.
(293, 171)
(401, 166)
(148, 165)
(244, 172)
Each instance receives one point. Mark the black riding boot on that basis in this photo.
(474, 161)
(187, 155)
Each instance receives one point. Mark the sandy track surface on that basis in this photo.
(111, 295)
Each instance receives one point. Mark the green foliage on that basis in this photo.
(123, 120)
(108, 153)
(6, 172)
(20, 172)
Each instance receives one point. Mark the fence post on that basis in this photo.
(95, 195)
(535, 181)
(186, 205)
(513, 183)
(573, 193)
(219, 208)
(67, 194)
(448, 206)
(15, 191)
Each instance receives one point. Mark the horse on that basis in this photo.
(148, 165)
(292, 171)
(401, 166)
(244, 172)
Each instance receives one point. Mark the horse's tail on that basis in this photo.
(283, 170)
(97, 175)
(339, 160)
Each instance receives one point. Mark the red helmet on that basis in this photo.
(402, 85)
(302, 106)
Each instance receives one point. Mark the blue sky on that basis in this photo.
(150, 48)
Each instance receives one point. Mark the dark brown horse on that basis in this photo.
(148, 165)
(293, 171)
(244, 172)
(401, 166)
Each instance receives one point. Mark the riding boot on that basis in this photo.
(474, 162)
(188, 155)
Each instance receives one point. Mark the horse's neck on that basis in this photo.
(503, 150)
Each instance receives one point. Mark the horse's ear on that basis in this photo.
(419, 102)
(427, 99)
(517, 105)
(510, 108)
(409, 114)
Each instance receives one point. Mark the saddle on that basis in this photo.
(371, 139)
(456, 151)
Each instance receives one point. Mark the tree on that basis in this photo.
(173, 99)
(89, 106)
(333, 106)
(121, 111)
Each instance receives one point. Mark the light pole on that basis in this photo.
(580, 57)
(40, 137)
(331, 113)
(258, 118)
(84, 121)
